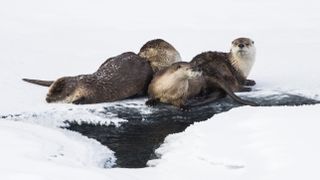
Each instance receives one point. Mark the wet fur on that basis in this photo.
(117, 78)
(175, 85)
(221, 77)
(160, 54)
(107, 84)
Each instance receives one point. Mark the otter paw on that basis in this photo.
(245, 89)
(249, 82)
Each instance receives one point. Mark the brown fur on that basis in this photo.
(175, 85)
(215, 64)
(220, 76)
(240, 60)
(160, 54)
(242, 57)
(117, 78)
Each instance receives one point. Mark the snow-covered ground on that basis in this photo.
(31, 151)
(49, 39)
(268, 143)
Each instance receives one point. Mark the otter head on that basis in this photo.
(243, 54)
(243, 47)
(184, 71)
(160, 54)
(65, 89)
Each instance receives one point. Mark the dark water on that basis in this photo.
(134, 141)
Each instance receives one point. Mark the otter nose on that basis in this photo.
(48, 100)
(241, 45)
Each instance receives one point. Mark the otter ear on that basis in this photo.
(58, 86)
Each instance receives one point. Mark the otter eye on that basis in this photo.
(248, 44)
(252, 42)
(178, 67)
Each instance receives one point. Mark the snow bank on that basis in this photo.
(31, 151)
(247, 143)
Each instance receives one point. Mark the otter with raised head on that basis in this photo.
(160, 54)
(241, 58)
(118, 78)
(226, 73)
(175, 85)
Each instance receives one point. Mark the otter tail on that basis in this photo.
(200, 101)
(233, 96)
(38, 82)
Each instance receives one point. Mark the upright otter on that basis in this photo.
(242, 57)
(160, 54)
(227, 69)
(117, 78)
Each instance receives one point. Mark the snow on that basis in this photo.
(27, 151)
(58, 115)
(50, 39)
(271, 143)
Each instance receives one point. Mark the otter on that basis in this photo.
(226, 73)
(183, 83)
(118, 78)
(175, 85)
(160, 54)
(242, 57)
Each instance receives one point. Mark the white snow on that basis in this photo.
(49, 39)
(31, 151)
(246, 143)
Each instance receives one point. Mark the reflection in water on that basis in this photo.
(134, 141)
